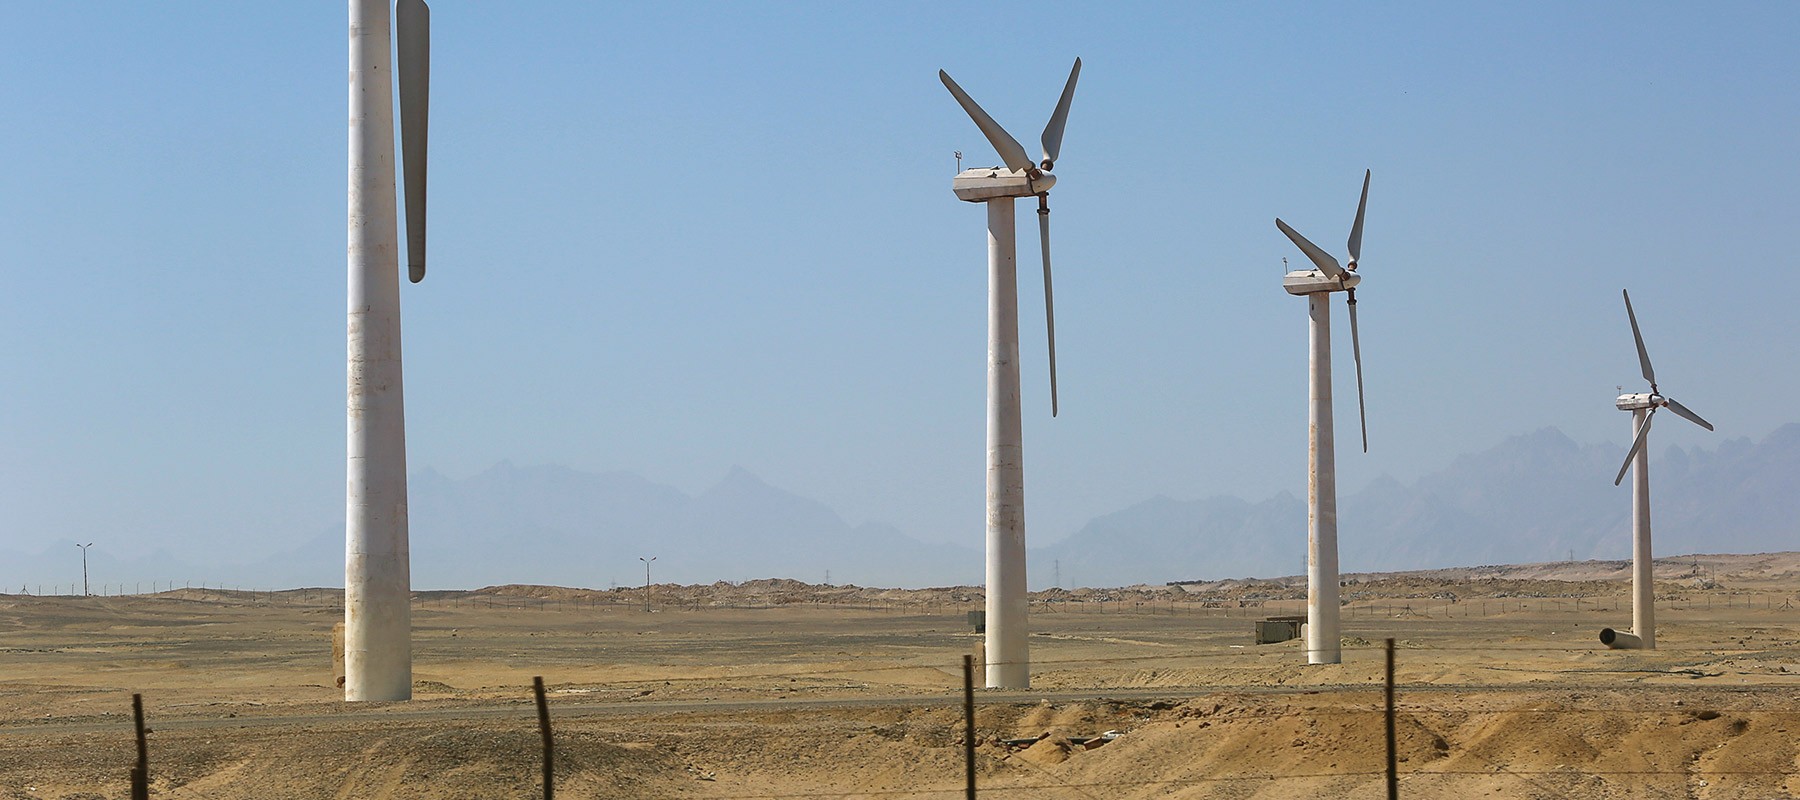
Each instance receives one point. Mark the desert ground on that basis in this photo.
(782, 689)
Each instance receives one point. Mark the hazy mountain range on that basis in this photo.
(1536, 497)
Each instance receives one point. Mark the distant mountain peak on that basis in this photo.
(738, 473)
(739, 479)
(1550, 436)
(1785, 436)
(1385, 483)
(1283, 497)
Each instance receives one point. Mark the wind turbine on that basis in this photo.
(1322, 642)
(1008, 657)
(1643, 406)
(377, 575)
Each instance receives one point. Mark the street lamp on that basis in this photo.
(646, 580)
(84, 583)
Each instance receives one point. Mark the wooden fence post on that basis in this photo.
(543, 709)
(969, 724)
(1393, 763)
(140, 774)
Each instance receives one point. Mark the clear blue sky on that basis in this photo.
(670, 238)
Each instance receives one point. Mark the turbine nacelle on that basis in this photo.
(1640, 400)
(981, 184)
(1312, 281)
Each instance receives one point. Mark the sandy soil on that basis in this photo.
(779, 689)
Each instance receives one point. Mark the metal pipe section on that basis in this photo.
(1322, 640)
(1620, 640)
(377, 578)
(1643, 579)
(1008, 658)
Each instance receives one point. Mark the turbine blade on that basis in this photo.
(1356, 229)
(412, 20)
(1049, 296)
(1636, 445)
(1053, 132)
(1643, 355)
(1686, 414)
(1320, 258)
(1009, 148)
(1356, 352)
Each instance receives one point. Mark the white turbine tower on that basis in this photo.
(1322, 638)
(377, 576)
(1008, 657)
(1643, 406)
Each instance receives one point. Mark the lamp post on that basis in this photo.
(646, 580)
(84, 582)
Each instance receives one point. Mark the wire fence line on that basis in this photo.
(1031, 779)
(675, 599)
(1246, 609)
(1161, 661)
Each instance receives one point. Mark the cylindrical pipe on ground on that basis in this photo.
(1620, 640)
